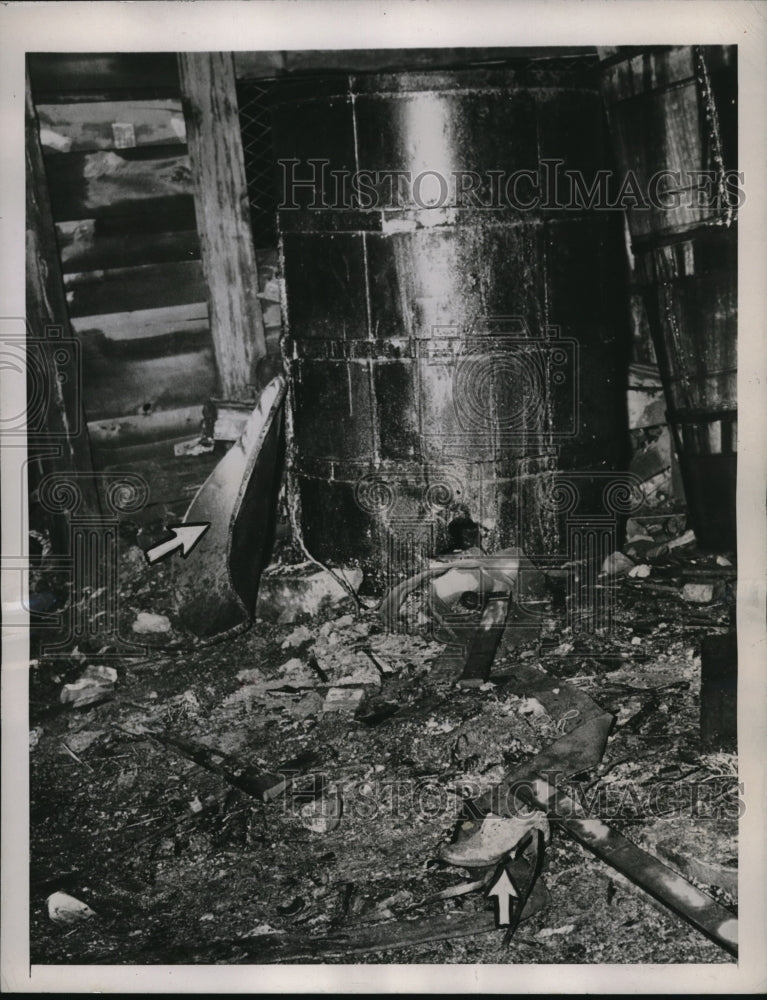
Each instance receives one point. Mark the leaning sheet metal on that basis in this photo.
(217, 585)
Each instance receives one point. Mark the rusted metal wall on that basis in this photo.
(675, 109)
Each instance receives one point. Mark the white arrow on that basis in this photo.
(185, 537)
(504, 890)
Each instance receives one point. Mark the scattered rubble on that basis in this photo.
(342, 851)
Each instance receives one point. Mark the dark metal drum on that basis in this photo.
(456, 329)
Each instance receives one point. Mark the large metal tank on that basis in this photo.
(457, 348)
(673, 117)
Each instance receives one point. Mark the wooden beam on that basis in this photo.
(47, 329)
(223, 216)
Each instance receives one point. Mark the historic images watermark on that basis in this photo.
(426, 799)
(312, 184)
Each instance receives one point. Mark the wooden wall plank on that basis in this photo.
(56, 73)
(82, 127)
(83, 185)
(83, 248)
(177, 380)
(158, 424)
(127, 289)
(223, 216)
(162, 382)
(146, 218)
(121, 328)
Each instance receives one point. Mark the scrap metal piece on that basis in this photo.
(660, 882)
(485, 641)
(217, 585)
(251, 780)
(719, 689)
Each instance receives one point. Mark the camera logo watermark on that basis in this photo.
(37, 367)
(40, 371)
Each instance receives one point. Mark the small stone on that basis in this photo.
(723, 561)
(616, 564)
(310, 704)
(439, 727)
(100, 673)
(86, 691)
(34, 736)
(65, 909)
(641, 571)
(698, 593)
(686, 539)
(635, 529)
(292, 668)
(147, 623)
(636, 641)
(340, 699)
(548, 932)
(79, 742)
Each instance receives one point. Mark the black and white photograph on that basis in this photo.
(383, 554)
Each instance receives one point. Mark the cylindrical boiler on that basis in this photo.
(455, 322)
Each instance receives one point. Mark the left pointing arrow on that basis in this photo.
(184, 537)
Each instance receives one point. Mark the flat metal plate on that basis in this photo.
(217, 585)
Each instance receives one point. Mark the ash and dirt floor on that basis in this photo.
(180, 867)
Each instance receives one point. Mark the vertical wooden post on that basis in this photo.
(223, 216)
(64, 429)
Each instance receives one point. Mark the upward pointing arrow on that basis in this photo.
(504, 890)
(184, 537)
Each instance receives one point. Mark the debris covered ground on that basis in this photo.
(286, 795)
